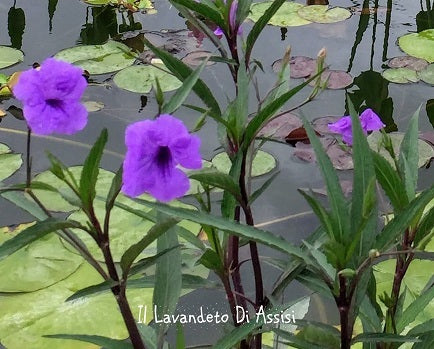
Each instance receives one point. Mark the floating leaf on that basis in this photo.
(409, 62)
(196, 58)
(9, 56)
(9, 162)
(400, 75)
(415, 280)
(340, 157)
(38, 265)
(280, 127)
(320, 125)
(98, 59)
(336, 79)
(322, 14)
(300, 66)
(93, 106)
(132, 5)
(426, 151)
(262, 163)
(427, 75)
(286, 16)
(26, 318)
(420, 45)
(54, 202)
(141, 78)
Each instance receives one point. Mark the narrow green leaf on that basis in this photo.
(34, 233)
(182, 72)
(28, 205)
(425, 230)
(402, 221)
(239, 333)
(153, 234)
(180, 338)
(211, 260)
(364, 174)
(260, 25)
(145, 263)
(93, 290)
(114, 190)
(383, 338)
(390, 182)
(107, 343)
(189, 282)
(268, 112)
(320, 212)
(293, 341)
(89, 174)
(414, 309)
(184, 91)
(257, 193)
(204, 10)
(168, 279)
(340, 215)
(232, 227)
(420, 329)
(217, 179)
(409, 155)
(229, 202)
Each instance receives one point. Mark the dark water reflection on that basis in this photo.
(360, 45)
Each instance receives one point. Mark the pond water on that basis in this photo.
(359, 45)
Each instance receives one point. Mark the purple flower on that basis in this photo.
(51, 97)
(154, 149)
(218, 31)
(369, 120)
(343, 127)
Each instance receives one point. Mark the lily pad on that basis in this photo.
(410, 62)
(126, 228)
(420, 45)
(427, 75)
(9, 162)
(132, 5)
(281, 126)
(320, 125)
(196, 58)
(93, 106)
(262, 163)
(54, 202)
(38, 265)
(400, 75)
(416, 278)
(98, 59)
(426, 151)
(27, 317)
(10, 56)
(336, 79)
(322, 14)
(286, 16)
(300, 66)
(141, 78)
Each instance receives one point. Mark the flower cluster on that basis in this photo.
(369, 120)
(154, 149)
(51, 97)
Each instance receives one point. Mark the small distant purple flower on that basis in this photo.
(218, 31)
(154, 149)
(343, 127)
(51, 97)
(369, 120)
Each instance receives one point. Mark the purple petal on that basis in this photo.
(233, 14)
(170, 187)
(186, 152)
(371, 121)
(343, 127)
(218, 31)
(154, 149)
(51, 97)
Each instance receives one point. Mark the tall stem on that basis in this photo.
(343, 304)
